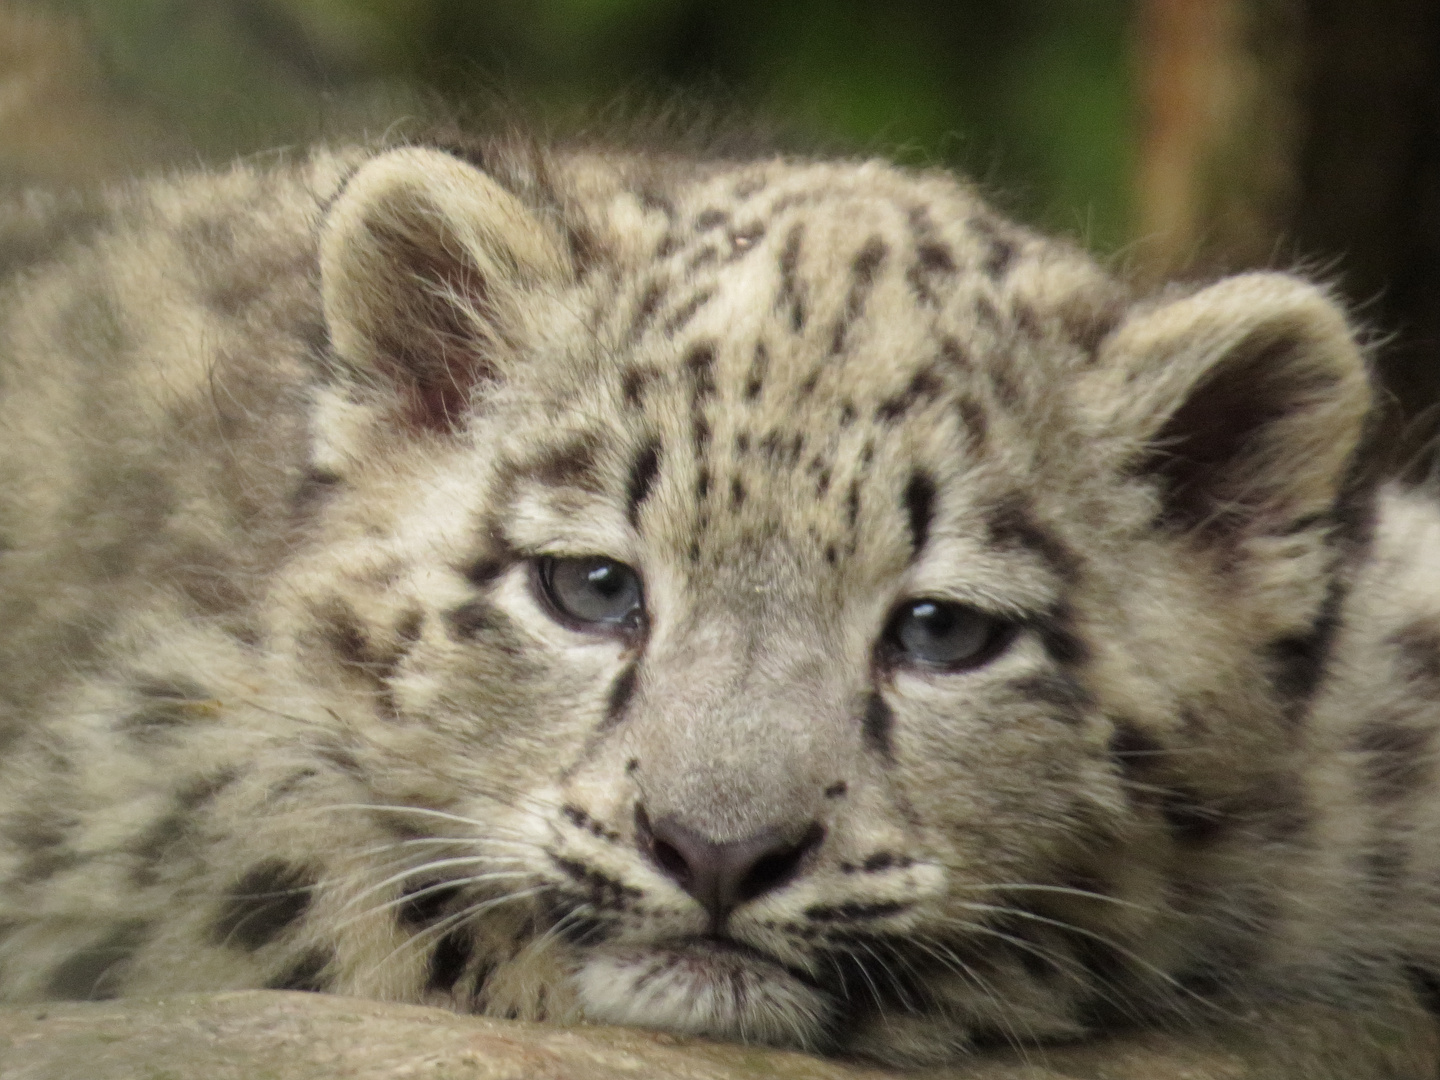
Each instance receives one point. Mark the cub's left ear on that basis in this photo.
(428, 268)
(1247, 402)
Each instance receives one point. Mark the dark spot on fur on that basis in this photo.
(755, 380)
(262, 905)
(1190, 820)
(1134, 750)
(700, 433)
(634, 382)
(878, 724)
(933, 260)
(791, 299)
(925, 386)
(1000, 250)
(919, 510)
(168, 703)
(645, 310)
(93, 973)
(837, 789)
(307, 973)
(700, 363)
(156, 842)
(807, 386)
(1398, 759)
(852, 504)
(737, 492)
(425, 903)
(972, 418)
(480, 619)
(862, 279)
(1418, 646)
(702, 483)
(880, 861)
(1297, 663)
(687, 311)
(711, 219)
(642, 478)
(448, 961)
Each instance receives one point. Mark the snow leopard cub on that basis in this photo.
(776, 600)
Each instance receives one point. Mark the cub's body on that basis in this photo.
(1004, 654)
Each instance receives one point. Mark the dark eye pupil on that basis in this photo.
(593, 591)
(937, 633)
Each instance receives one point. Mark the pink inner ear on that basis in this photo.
(431, 339)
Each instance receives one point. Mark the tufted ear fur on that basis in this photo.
(1246, 400)
(426, 267)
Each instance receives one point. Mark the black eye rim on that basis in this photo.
(542, 570)
(892, 655)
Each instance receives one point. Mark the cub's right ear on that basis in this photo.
(428, 268)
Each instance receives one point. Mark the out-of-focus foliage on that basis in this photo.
(1029, 96)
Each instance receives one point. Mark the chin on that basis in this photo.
(713, 989)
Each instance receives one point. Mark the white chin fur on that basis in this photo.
(701, 989)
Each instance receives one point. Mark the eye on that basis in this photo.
(592, 592)
(945, 635)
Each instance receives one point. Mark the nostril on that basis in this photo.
(776, 867)
(670, 860)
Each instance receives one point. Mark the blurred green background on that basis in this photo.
(1030, 97)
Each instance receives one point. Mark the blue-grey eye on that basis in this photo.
(942, 634)
(593, 592)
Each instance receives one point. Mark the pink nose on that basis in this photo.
(722, 876)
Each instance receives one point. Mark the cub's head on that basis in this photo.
(832, 615)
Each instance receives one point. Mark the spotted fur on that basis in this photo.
(288, 449)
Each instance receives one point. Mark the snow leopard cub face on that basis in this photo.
(801, 607)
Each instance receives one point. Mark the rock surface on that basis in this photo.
(269, 1035)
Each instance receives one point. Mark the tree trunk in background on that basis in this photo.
(1302, 133)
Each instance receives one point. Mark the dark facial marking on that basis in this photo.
(702, 483)
(862, 280)
(168, 704)
(622, 690)
(642, 478)
(878, 724)
(262, 905)
(1398, 759)
(306, 973)
(1059, 638)
(919, 510)
(1013, 525)
(1059, 691)
(572, 464)
(93, 973)
(924, 386)
(852, 504)
(837, 790)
